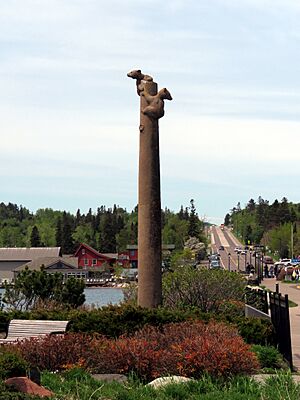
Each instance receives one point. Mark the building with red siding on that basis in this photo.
(89, 258)
(132, 253)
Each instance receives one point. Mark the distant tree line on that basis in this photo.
(268, 224)
(106, 229)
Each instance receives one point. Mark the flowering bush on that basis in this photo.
(187, 348)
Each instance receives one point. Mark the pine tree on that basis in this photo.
(227, 219)
(58, 233)
(67, 239)
(78, 217)
(35, 240)
(181, 213)
(193, 228)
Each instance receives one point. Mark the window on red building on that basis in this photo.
(86, 261)
(94, 261)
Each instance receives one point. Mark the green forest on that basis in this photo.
(106, 229)
(276, 225)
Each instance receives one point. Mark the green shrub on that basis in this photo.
(11, 365)
(114, 321)
(203, 288)
(268, 356)
(256, 331)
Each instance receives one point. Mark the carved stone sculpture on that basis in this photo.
(155, 109)
(137, 74)
(149, 204)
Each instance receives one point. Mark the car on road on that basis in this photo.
(286, 261)
(221, 248)
(243, 252)
(237, 249)
(268, 260)
(214, 264)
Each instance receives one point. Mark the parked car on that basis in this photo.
(215, 264)
(214, 256)
(268, 260)
(285, 261)
(237, 249)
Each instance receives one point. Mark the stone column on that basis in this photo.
(149, 206)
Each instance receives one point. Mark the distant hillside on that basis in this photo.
(106, 229)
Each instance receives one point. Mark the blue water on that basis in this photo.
(103, 296)
(100, 296)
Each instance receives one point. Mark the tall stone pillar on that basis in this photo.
(149, 206)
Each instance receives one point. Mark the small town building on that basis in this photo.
(68, 267)
(91, 259)
(13, 257)
(132, 253)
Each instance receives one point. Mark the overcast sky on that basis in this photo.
(69, 116)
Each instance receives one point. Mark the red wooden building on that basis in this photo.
(91, 258)
(132, 253)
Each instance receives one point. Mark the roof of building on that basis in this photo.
(110, 255)
(36, 264)
(27, 253)
(6, 275)
(100, 255)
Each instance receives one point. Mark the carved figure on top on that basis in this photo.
(140, 77)
(155, 108)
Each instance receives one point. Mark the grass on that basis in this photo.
(292, 304)
(78, 385)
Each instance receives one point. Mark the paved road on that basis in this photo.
(229, 258)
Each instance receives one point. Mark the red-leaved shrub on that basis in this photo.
(187, 348)
(54, 352)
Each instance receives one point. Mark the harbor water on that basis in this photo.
(100, 296)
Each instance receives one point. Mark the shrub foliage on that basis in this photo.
(203, 288)
(187, 348)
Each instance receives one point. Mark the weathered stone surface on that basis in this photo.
(168, 380)
(110, 377)
(25, 385)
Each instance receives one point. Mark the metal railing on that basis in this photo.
(278, 305)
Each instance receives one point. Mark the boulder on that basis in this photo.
(25, 385)
(168, 380)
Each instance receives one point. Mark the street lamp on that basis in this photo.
(229, 261)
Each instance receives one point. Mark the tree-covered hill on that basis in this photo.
(275, 225)
(106, 229)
